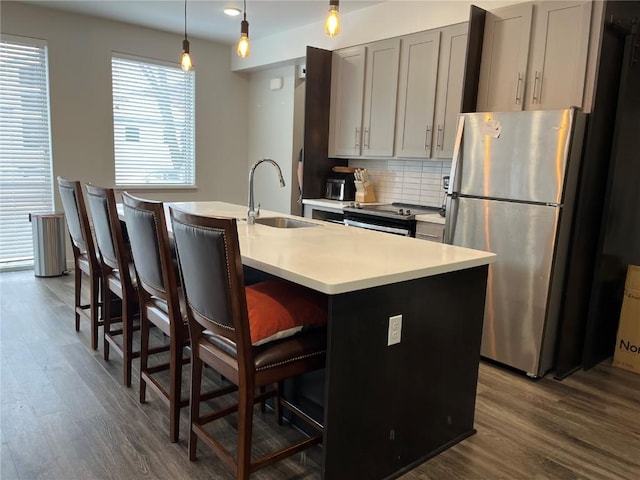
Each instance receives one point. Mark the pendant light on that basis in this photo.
(332, 25)
(186, 58)
(243, 43)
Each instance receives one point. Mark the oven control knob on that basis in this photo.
(408, 212)
(400, 212)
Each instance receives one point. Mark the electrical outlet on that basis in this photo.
(395, 330)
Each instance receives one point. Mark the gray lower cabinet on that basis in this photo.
(433, 232)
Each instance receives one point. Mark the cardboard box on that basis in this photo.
(627, 352)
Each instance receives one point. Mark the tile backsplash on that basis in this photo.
(417, 182)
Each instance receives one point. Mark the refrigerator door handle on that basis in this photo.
(450, 219)
(456, 155)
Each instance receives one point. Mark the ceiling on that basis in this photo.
(206, 19)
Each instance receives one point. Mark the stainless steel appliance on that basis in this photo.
(512, 189)
(396, 218)
(340, 186)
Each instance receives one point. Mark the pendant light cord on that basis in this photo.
(244, 11)
(185, 19)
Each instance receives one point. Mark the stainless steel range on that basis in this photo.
(396, 218)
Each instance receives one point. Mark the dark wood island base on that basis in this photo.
(389, 408)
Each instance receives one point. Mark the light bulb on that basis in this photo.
(243, 46)
(243, 43)
(186, 58)
(332, 25)
(186, 62)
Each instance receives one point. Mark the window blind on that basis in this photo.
(153, 123)
(26, 183)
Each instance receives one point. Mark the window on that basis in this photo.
(26, 183)
(153, 124)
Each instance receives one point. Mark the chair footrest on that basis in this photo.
(82, 310)
(118, 347)
(301, 415)
(285, 452)
(160, 390)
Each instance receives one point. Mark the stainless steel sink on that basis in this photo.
(284, 222)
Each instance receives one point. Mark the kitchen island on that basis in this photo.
(386, 408)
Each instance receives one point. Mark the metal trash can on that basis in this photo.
(49, 250)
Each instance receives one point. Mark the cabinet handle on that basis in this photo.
(518, 83)
(366, 138)
(427, 137)
(536, 95)
(428, 236)
(439, 138)
(540, 88)
(357, 142)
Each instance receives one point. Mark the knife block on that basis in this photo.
(364, 192)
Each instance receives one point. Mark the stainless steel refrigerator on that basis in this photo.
(512, 189)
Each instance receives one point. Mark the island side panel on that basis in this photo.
(388, 408)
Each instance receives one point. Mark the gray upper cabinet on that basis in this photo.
(416, 94)
(364, 84)
(558, 61)
(453, 54)
(534, 56)
(380, 92)
(430, 92)
(505, 52)
(347, 88)
(400, 97)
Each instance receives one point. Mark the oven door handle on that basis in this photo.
(377, 228)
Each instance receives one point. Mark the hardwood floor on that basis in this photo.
(66, 414)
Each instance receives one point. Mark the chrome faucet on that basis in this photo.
(252, 212)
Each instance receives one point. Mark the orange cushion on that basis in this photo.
(279, 309)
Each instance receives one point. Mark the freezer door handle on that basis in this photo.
(456, 155)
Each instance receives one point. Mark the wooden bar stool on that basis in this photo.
(118, 276)
(253, 336)
(159, 302)
(85, 259)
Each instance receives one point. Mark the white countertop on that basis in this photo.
(334, 258)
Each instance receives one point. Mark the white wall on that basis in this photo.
(384, 20)
(80, 49)
(270, 134)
